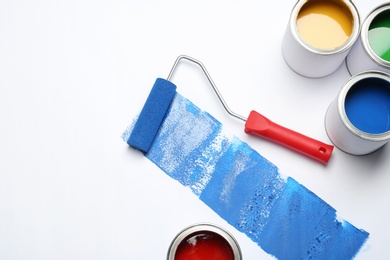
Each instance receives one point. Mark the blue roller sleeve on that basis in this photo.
(152, 115)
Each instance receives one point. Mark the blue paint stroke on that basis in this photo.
(309, 227)
(283, 217)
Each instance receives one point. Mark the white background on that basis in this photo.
(74, 73)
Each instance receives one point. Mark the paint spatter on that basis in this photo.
(283, 217)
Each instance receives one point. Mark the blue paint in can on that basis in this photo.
(367, 105)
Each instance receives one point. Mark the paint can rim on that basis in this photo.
(204, 226)
(341, 105)
(344, 47)
(364, 35)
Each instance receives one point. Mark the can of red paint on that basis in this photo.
(358, 120)
(319, 35)
(204, 241)
(372, 50)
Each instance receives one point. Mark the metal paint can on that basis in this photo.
(372, 50)
(358, 120)
(315, 48)
(204, 241)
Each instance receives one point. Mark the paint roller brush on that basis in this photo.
(152, 115)
(158, 102)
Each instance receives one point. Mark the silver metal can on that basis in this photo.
(204, 241)
(358, 120)
(312, 46)
(372, 50)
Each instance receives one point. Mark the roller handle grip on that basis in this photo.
(259, 125)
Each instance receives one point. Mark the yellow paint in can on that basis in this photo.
(325, 24)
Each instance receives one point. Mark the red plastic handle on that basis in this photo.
(259, 125)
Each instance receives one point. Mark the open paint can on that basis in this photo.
(372, 51)
(203, 242)
(319, 35)
(358, 120)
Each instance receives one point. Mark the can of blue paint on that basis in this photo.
(204, 241)
(372, 50)
(319, 35)
(358, 120)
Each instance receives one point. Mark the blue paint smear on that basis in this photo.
(243, 188)
(283, 217)
(305, 225)
(367, 105)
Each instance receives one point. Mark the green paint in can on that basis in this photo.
(379, 35)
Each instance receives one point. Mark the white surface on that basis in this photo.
(74, 73)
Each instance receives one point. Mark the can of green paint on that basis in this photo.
(358, 120)
(372, 50)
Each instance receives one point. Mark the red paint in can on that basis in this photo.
(203, 242)
(204, 245)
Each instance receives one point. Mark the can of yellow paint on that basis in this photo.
(372, 50)
(319, 35)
